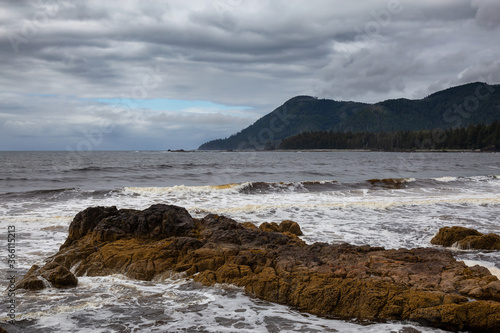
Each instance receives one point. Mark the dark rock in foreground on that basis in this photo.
(272, 263)
(466, 239)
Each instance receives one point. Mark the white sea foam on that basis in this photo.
(228, 188)
(490, 266)
(446, 179)
(115, 303)
(410, 180)
(388, 217)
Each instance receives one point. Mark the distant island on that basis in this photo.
(462, 117)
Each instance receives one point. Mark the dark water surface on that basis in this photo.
(30, 171)
(395, 200)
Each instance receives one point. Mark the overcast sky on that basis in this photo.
(135, 75)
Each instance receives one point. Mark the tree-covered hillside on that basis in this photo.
(483, 137)
(474, 103)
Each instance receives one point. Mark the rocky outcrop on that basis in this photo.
(466, 239)
(271, 262)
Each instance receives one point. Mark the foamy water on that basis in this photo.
(403, 211)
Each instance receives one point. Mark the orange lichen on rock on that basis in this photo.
(271, 262)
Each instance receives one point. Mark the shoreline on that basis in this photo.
(352, 150)
(262, 151)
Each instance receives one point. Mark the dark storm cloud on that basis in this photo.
(235, 52)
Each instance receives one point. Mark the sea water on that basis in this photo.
(394, 200)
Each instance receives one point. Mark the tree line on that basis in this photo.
(480, 136)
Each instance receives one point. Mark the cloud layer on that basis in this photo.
(60, 57)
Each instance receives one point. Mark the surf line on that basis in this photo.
(11, 273)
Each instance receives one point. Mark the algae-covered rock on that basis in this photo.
(448, 236)
(52, 273)
(466, 239)
(32, 280)
(483, 242)
(370, 283)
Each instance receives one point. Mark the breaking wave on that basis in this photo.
(315, 186)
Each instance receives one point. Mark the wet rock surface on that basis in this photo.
(466, 239)
(52, 274)
(271, 262)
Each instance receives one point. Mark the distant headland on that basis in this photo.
(465, 117)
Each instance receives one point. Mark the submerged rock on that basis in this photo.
(271, 262)
(466, 239)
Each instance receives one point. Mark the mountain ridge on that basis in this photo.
(459, 106)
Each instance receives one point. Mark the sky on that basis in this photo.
(170, 74)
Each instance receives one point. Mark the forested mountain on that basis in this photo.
(472, 137)
(473, 103)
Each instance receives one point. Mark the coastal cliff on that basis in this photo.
(271, 262)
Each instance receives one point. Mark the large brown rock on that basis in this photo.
(466, 239)
(271, 262)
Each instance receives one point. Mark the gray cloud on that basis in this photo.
(482, 72)
(68, 123)
(488, 13)
(234, 52)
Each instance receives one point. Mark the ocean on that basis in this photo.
(394, 200)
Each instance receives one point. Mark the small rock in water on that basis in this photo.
(466, 239)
